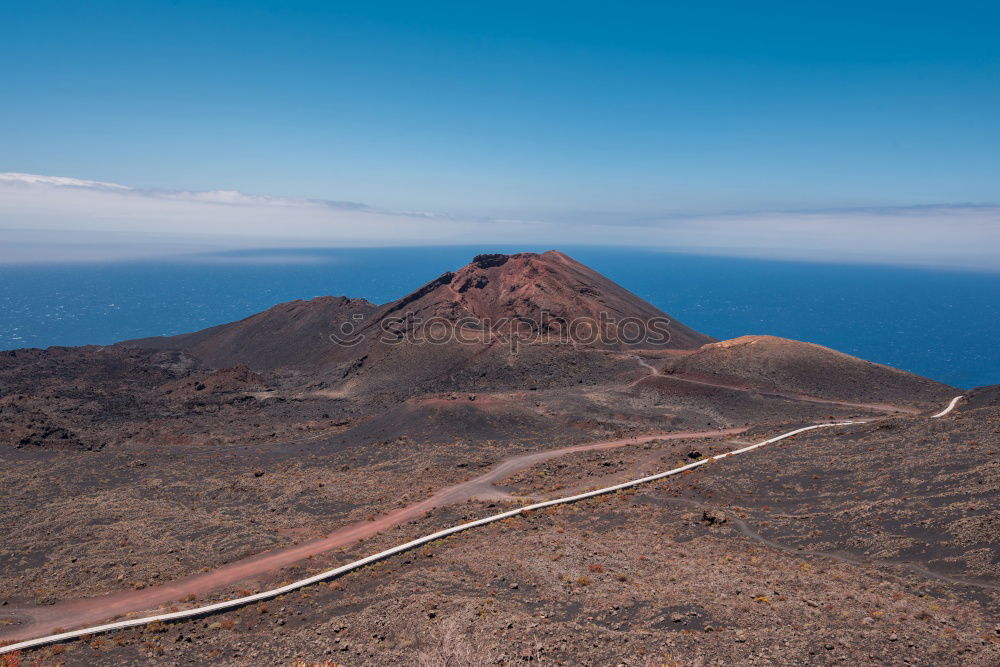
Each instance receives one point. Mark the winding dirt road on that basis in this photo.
(40, 620)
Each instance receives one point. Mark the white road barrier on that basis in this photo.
(951, 406)
(343, 569)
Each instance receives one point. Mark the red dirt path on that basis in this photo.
(40, 620)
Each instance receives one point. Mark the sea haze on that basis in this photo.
(941, 324)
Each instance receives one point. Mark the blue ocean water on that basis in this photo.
(942, 324)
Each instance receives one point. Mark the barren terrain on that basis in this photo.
(164, 474)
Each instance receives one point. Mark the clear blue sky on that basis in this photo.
(570, 110)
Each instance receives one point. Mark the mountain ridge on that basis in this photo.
(522, 293)
(504, 321)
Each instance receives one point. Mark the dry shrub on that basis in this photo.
(156, 626)
(450, 645)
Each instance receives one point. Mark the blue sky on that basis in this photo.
(574, 113)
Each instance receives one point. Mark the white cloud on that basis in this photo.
(62, 181)
(63, 213)
(234, 197)
(966, 236)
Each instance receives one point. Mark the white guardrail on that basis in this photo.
(343, 569)
(951, 406)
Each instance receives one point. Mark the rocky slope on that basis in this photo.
(771, 363)
(294, 334)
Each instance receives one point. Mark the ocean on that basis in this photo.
(941, 324)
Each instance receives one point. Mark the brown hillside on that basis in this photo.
(769, 362)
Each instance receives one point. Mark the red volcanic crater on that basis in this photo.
(549, 294)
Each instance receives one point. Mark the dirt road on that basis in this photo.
(40, 620)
